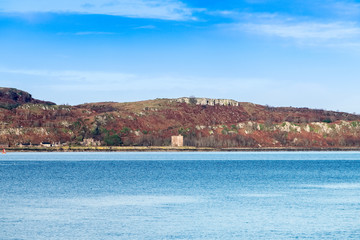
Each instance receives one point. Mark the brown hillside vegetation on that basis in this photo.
(202, 122)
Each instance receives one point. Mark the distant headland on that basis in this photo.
(205, 125)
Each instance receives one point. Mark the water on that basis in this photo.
(180, 196)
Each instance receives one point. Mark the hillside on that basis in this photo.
(203, 123)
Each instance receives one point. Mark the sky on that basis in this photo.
(300, 53)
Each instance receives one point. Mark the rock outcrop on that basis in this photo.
(12, 97)
(207, 101)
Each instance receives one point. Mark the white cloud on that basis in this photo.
(112, 81)
(300, 30)
(156, 9)
(223, 13)
(94, 33)
(146, 27)
(83, 77)
(85, 33)
(341, 8)
(306, 30)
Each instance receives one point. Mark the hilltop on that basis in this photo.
(203, 122)
(11, 98)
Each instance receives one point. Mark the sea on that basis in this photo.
(157, 195)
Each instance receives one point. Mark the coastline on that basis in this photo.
(176, 149)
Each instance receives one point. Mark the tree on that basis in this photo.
(192, 100)
(112, 140)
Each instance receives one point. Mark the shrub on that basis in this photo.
(112, 140)
(125, 130)
(327, 120)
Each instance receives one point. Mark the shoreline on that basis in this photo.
(176, 149)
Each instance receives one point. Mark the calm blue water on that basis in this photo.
(180, 196)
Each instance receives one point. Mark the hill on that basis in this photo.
(203, 122)
(11, 98)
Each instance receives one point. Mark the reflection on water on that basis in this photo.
(193, 196)
(335, 186)
(261, 195)
(145, 200)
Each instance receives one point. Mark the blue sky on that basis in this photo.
(281, 53)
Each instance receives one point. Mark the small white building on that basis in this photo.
(25, 144)
(46, 144)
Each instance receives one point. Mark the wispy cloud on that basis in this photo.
(306, 30)
(110, 81)
(84, 77)
(342, 8)
(156, 9)
(146, 27)
(301, 30)
(223, 13)
(85, 33)
(94, 33)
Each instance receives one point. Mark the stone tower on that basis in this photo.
(177, 141)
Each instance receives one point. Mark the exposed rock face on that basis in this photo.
(12, 97)
(207, 101)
